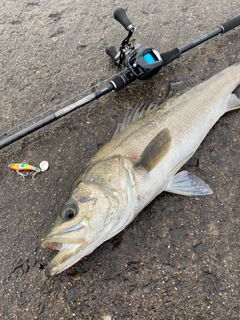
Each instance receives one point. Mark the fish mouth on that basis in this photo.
(67, 256)
(72, 244)
(70, 249)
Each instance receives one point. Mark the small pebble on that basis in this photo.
(75, 276)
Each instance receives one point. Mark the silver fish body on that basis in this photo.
(138, 164)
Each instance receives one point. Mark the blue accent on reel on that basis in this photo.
(149, 58)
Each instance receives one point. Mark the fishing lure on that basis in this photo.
(19, 167)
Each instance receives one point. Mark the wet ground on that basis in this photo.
(180, 257)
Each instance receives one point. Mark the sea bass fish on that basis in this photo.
(136, 165)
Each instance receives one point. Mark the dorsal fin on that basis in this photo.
(181, 85)
(155, 151)
(139, 111)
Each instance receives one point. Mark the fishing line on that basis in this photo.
(61, 103)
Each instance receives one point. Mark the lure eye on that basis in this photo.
(69, 212)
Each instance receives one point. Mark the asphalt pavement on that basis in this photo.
(179, 259)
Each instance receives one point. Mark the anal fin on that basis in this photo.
(187, 184)
(233, 103)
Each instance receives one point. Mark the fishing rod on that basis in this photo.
(140, 62)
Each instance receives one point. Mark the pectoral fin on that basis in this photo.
(155, 151)
(186, 183)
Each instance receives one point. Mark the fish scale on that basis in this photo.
(139, 163)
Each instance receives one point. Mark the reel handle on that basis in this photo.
(121, 17)
(112, 53)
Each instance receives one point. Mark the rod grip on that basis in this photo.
(122, 81)
(231, 24)
(169, 56)
(121, 17)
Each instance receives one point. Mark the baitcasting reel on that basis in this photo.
(142, 61)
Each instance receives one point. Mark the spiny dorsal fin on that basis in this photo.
(155, 151)
(181, 85)
(139, 111)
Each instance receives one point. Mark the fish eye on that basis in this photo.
(68, 212)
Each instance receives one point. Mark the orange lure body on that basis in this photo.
(23, 167)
